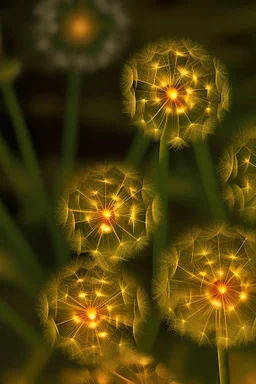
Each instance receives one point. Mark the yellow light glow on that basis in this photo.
(222, 289)
(105, 228)
(106, 213)
(172, 94)
(91, 313)
(243, 296)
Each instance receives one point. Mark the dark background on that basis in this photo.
(227, 29)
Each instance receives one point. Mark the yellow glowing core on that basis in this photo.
(105, 228)
(80, 27)
(106, 213)
(172, 94)
(222, 289)
(91, 313)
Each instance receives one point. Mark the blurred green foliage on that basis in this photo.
(228, 31)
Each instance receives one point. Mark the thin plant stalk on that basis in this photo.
(70, 131)
(138, 149)
(13, 320)
(24, 253)
(209, 180)
(12, 169)
(223, 365)
(160, 237)
(31, 163)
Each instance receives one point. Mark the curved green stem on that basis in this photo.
(70, 130)
(31, 163)
(12, 319)
(209, 179)
(137, 149)
(12, 169)
(24, 253)
(223, 365)
(160, 238)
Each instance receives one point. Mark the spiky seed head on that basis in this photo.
(175, 88)
(92, 313)
(237, 169)
(109, 211)
(206, 286)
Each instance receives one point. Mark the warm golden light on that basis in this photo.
(172, 94)
(91, 313)
(93, 320)
(109, 211)
(106, 213)
(164, 77)
(206, 287)
(80, 27)
(222, 289)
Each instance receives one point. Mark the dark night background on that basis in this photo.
(227, 30)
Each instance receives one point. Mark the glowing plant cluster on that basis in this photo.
(133, 369)
(91, 313)
(109, 211)
(238, 173)
(81, 34)
(175, 89)
(207, 285)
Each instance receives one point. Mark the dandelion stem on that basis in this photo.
(160, 236)
(16, 238)
(30, 161)
(69, 141)
(13, 320)
(11, 169)
(208, 176)
(223, 365)
(138, 149)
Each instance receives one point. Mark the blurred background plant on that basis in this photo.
(227, 31)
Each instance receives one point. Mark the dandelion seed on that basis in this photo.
(80, 34)
(110, 212)
(238, 174)
(209, 306)
(183, 95)
(84, 323)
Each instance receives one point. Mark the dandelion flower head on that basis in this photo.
(109, 211)
(238, 174)
(207, 285)
(81, 34)
(91, 313)
(134, 369)
(174, 88)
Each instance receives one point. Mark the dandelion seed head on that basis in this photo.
(176, 88)
(206, 287)
(79, 34)
(91, 313)
(109, 212)
(237, 170)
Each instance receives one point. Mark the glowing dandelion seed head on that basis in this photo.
(91, 313)
(238, 174)
(110, 212)
(80, 34)
(175, 88)
(207, 285)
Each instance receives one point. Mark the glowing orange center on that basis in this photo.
(80, 27)
(91, 312)
(172, 93)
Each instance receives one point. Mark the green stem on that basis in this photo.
(160, 239)
(30, 161)
(223, 365)
(138, 149)
(208, 176)
(12, 170)
(12, 319)
(70, 130)
(24, 253)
